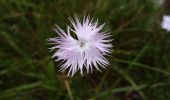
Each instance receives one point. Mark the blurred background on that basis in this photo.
(139, 68)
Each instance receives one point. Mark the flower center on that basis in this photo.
(82, 44)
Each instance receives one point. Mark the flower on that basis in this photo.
(85, 51)
(166, 23)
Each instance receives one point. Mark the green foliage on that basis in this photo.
(139, 69)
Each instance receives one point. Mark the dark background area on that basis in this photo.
(139, 68)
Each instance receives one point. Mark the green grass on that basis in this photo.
(139, 70)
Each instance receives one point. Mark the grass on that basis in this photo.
(139, 69)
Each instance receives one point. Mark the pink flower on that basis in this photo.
(166, 23)
(85, 52)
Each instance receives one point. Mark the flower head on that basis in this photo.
(87, 51)
(166, 23)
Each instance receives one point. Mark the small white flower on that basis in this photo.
(166, 22)
(87, 51)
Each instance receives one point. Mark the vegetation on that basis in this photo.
(139, 69)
